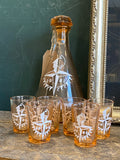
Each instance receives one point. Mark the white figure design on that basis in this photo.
(56, 113)
(57, 79)
(81, 131)
(105, 121)
(41, 125)
(20, 118)
(67, 117)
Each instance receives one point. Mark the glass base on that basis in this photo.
(35, 141)
(67, 133)
(102, 136)
(54, 130)
(86, 145)
(20, 131)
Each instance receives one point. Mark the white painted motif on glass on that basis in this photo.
(81, 131)
(41, 125)
(56, 113)
(67, 117)
(105, 121)
(57, 78)
(20, 118)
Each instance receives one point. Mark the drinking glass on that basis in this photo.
(19, 113)
(105, 118)
(56, 103)
(67, 114)
(85, 122)
(40, 115)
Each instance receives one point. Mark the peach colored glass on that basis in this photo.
(105, 118)
(40, 114)
(67, 114)
(56, 101)
(60, 77)
(85, 119)
(20, 113)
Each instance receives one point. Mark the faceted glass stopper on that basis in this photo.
(61, 21)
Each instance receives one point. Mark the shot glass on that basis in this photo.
(67, 114)
(105, 118)
(20, 113)
(85, 119)
(56, 103)
(40, 117)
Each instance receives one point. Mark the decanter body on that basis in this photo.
(59, 77)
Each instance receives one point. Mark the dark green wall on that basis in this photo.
(25, 35)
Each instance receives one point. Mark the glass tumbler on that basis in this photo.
(105, 118)
(20, 113)
(56, 103)
(85, 122)
(67, 113)
(40, 115)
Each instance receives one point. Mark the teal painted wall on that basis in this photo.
(25, 34)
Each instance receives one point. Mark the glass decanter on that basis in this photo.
(59, 77)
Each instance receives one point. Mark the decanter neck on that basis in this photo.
(62, 36)
(61, 26)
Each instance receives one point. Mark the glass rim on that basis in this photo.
(48, 97)
(96, 107)
(21, 96)
(73, 98)
(104, 100)
(35, 103)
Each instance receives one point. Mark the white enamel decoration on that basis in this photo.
(41, 125)
(67, 117)
(20, 118)
(105, 121)
(56, 113)
(81, 131)
(57, 78)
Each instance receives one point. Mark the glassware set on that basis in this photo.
(59, 91)
(84, 119)
(39, 117)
